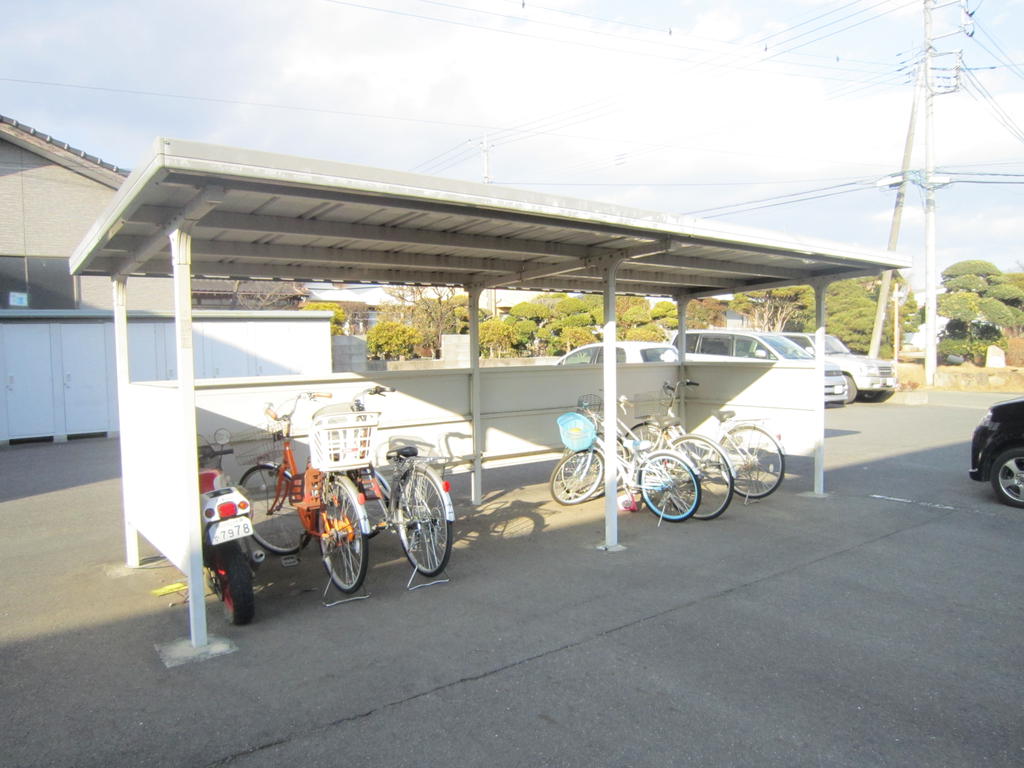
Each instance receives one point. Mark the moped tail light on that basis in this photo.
(243, 505)
(227, 509)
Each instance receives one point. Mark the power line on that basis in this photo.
(850, 186)
(976, 89)
(781, 202)
(243, 103)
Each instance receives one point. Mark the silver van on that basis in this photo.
(873, 379)
(726, 342)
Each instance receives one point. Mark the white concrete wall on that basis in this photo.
(519, 405)
(432, 410)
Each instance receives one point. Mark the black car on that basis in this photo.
(997, 451)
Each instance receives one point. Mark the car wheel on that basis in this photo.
(851, 389)
(1007, 476)
(878, 396)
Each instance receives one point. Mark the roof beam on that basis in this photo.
(471, 209)
(699, 264)
(315, 228)
(338, 256)
(205, 201)
(595, 263)
(321, 273)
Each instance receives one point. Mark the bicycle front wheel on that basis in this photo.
(669, 486)
(716, 481)
(577, 477)
(342, 541)
(275, 526)
(757, 460)
(425, 530)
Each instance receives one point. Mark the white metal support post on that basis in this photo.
(181, 259)
(611, 404)
(475, 390)
(682, 302)
(119, 284)
(819, 375)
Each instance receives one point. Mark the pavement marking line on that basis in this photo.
(169, 589)
(911, 501)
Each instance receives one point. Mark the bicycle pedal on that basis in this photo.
(289, 561)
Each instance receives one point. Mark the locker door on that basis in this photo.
(85, 354)
(28, 380)
(225, 351)
(276, 350)
(144, 354)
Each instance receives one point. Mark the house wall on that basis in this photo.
(46, 208)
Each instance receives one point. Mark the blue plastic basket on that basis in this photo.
(578, 432)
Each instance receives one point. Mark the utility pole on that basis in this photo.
(931, 327)
(931, 90)
(485, 147)
(897, 220)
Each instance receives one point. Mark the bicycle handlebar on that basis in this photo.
(209, 452)
(270, 413)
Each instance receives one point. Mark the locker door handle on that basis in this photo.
(10, 383)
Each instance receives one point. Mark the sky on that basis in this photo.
(783, 116)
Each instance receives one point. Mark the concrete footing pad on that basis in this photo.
(183, 652)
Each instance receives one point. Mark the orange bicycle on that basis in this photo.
(289, 508)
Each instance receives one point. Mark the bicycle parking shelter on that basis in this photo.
(193, 210)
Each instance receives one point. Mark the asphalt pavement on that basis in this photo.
(880, 625)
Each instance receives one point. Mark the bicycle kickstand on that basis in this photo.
(412, 578)
(323, 597)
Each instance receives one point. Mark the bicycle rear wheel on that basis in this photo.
(757, 460)
(669, 486)
(577, 477)
(712, 465)
(275, 525)
(648, 430)
(425, 530)
(342, 541)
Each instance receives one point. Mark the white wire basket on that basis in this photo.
(341, 439)
(644, 405)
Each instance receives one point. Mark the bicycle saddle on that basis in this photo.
(406, 452)
(725, 415)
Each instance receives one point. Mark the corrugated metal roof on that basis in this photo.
(261, 215)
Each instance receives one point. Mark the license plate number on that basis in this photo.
(230, 530)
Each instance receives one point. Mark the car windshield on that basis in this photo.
(786, 348)
(659, 355)
(834, 346)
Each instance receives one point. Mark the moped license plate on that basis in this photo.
(230, 530)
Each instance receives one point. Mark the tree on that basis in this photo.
(705, 313)
(497, 337)
(337, 321)
(576, 336)
(434, 311)
(773, 309)
(982, 305)
(392, 341)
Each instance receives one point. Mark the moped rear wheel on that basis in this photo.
(232, 577)
(342, 541)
